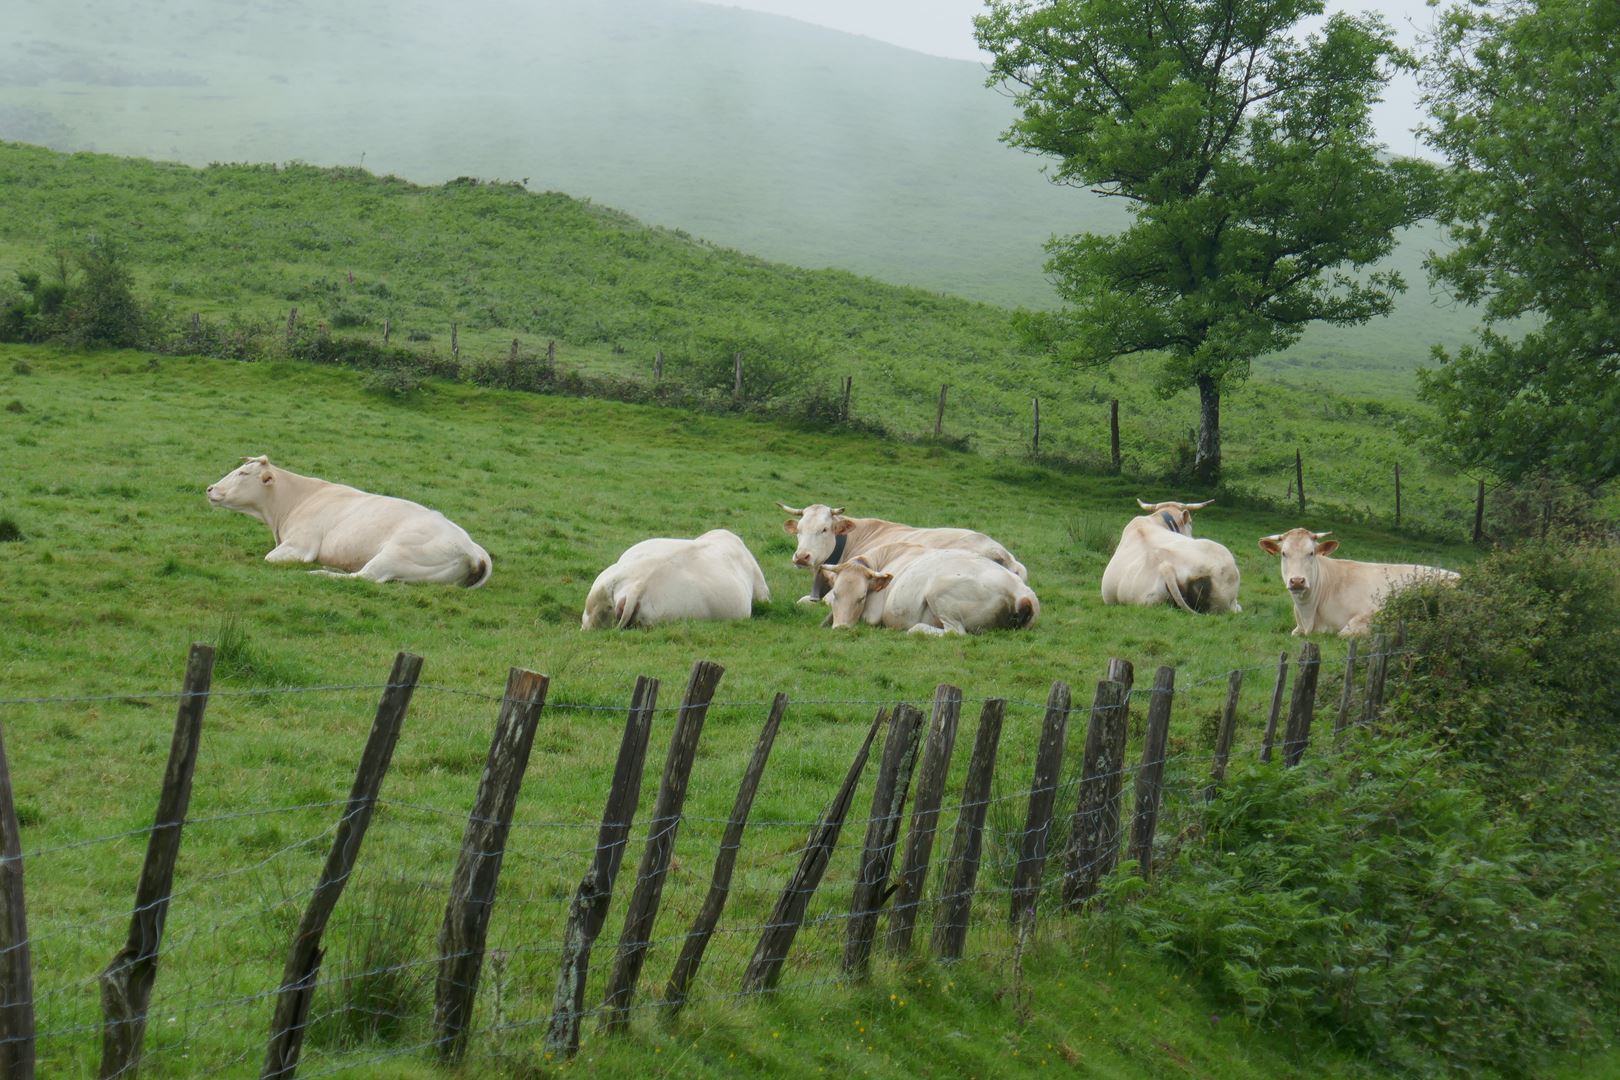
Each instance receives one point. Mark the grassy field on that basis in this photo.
(121, 564)
(352, 249)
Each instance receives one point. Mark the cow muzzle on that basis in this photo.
(1296, 584)
(801, 559)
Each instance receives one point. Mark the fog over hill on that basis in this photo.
(785, 140)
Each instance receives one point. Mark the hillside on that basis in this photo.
(756, 132)
(354, 250)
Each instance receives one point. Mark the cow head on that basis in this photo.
(817, 526)
(851, 582)
(1300, 549)
(244, 488)
(1175, 516)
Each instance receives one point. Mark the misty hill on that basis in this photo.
(769, 135)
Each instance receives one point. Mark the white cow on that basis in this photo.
(1338, 596)
(659, 580)
(1157, 560)
(927, 591)
(376, 537)
(827, 536)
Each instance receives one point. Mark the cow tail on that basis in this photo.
(482, 568)
(1167, 574)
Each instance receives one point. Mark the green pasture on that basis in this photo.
(121, 564)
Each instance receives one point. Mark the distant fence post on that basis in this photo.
(1094, 829)
(478, 867)
(1343, 718)
(939, 416)
(1150, 774)
(1299, 479)
(292, 327)
(636, 938)
(512, 357)
(736, 374)
(967, 839)
(303, 965)
(126, 984)
(1479, 513)
(1035, 440)
(1043, 787)
(387, 329)
(1223, 736)
(1270, 737)
(765, 968)
(895, 767)
(1113, 434)
(697, 939)
(1397, 494)
(588, 911)
(658, 367)
(843, 409)
(551, 357)
(936, 765)
(1303, 707)
(1377, 665)
(455, 342)
(16, 971)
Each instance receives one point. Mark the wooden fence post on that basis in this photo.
(1303, 707)
(292, 327)
(1479, 513)
(1299, 479)
(16, 970)
(1270, 736)
(1094, 828)
(843, 410)
(962, 866)
(936, 765)
(1223, 735)
(1397, 494)
(736, 374)
(126, 984)
(551, 357)
(588, 911)
(1035, 441)
(1113, 434)
(478, 867)
(455, 343)
(658, 367)
(297, 988)
(387, 329)
(697, 939)
(939, 416)
(1043, 788)
(1343, 718)
(765, 968)
(1377, 665)
(636, 937)
(1150, 774)
(895, 767)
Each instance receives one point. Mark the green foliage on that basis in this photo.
(378, 991)
(96, 308)
(1525, 99)
(10, 531)
(393, 382)
(1373, 895)
(1246, 158)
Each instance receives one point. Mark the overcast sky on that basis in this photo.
(945, 28)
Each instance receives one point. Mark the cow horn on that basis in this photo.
(1321, 535)
(1144, 505)
(1197, 506)
(789, 509)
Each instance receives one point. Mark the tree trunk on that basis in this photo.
(1207, 463)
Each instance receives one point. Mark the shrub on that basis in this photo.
(101, 308)
(394, 382)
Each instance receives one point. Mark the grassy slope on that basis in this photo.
(503, 262)
(784, 140)
(123, 564)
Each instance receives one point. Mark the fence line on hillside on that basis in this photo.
(971, 874)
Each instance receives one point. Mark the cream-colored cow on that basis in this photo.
(1338, 596)
(927, 591)
(712, 577)
(1158, 560)
(376, 537)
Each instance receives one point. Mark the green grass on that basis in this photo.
(504, 263)
(122, 564)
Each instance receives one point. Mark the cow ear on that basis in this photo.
(791, 525)
(843, 525)
(1269, 545)
(879, 581)
(1327, 547)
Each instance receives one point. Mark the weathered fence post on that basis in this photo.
(1150, 774)
(1094, 828)
(16, 970)
(636, 937)
(1270, 736)
(1397, 494)
(843, 409)
(939, 416)
(1377, 666)
(1113, 434)
(478, 867)
(126, 984)
(387, 329)
(1043, 788)
(913, 881)
(1479, 513)
(512, 357)
(1343, 718)
(765, 968)
(736, 374)
(292, 327)
(1223, 735)
(962, 866)
(1303, 707)
(1299, 479)
(297, 988)
(882, 835)
(658, 367)
(697, 939)
(455, 343)
(1035, 440)
(588, 911)
(551, 357)
(196, 325)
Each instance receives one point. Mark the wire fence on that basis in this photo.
(247, 875)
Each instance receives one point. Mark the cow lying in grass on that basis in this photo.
(375, 537)
(712, 577)
(927, 591)
(1338, 596)
(1158, 560)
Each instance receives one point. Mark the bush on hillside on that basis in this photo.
(88, 301)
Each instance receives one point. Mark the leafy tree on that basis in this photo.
(1525, 99)
(1246, 156)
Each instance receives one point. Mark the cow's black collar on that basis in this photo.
(1169, 522)
(818, 584)
(838, 549)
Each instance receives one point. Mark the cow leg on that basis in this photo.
(924, 628)
(287, 551)
(1360, 626)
